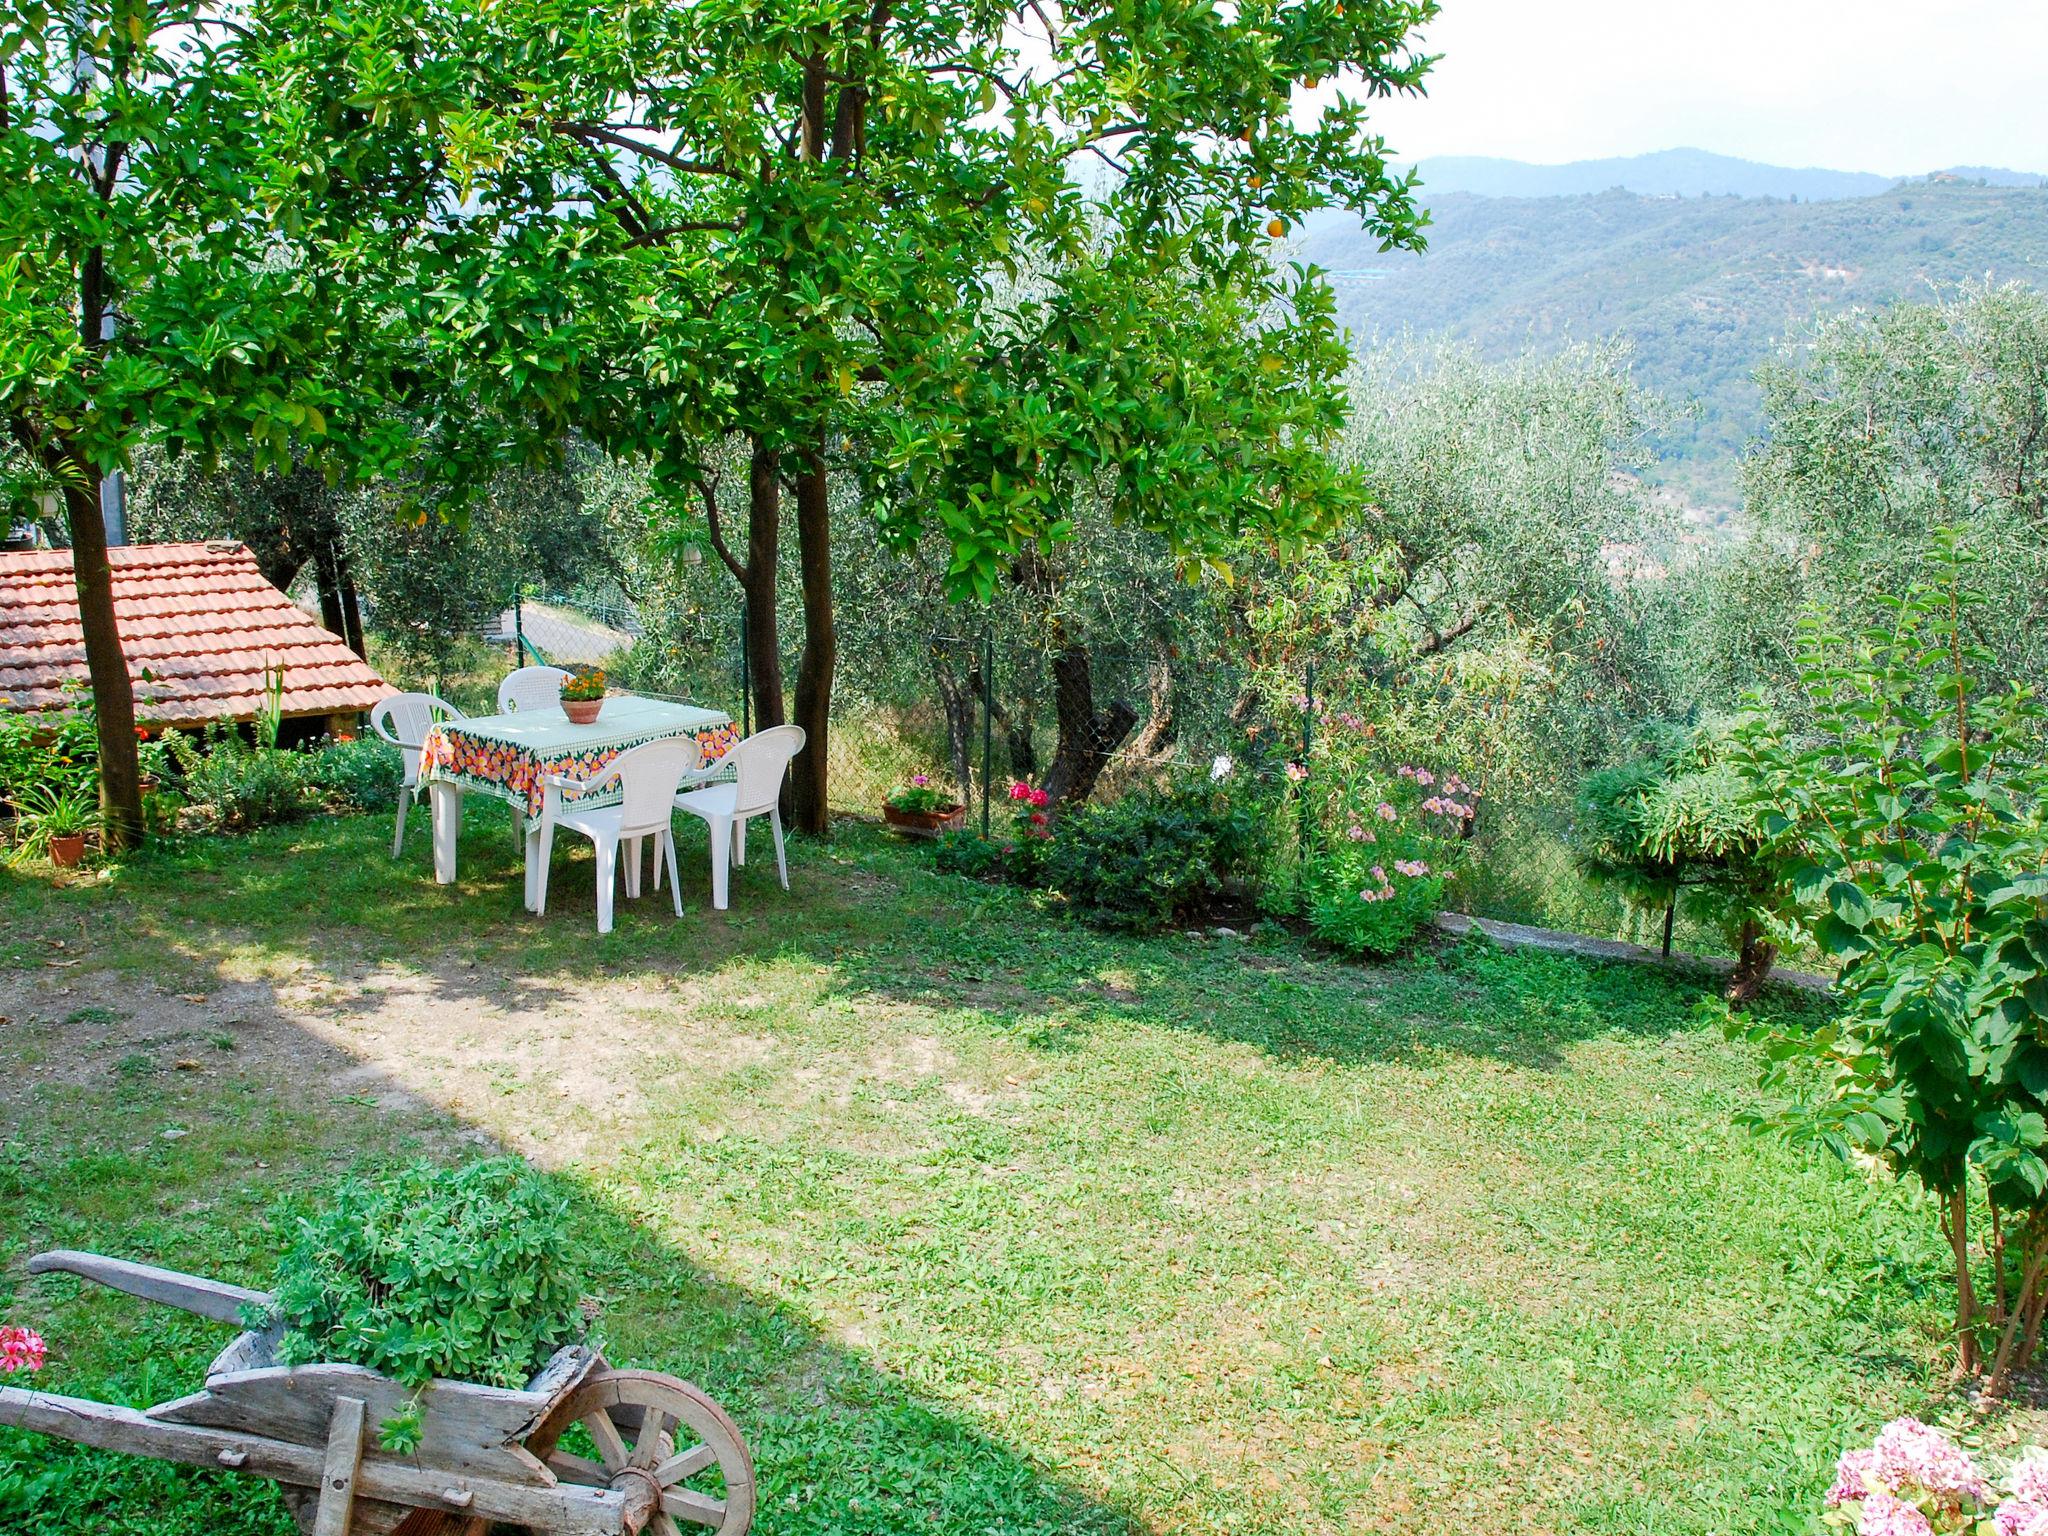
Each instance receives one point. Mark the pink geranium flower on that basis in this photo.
(21, 1349)
(1040, 799)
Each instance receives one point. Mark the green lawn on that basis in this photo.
(977, 1220)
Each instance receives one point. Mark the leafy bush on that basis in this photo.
(1379, 880)
(1676, 821)
(1912, 821)
(233, 784)
(58, 748)
(1151, 859)
(359, 775)
(461, 1273)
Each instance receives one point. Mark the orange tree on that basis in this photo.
(158, 285)
(974, 260)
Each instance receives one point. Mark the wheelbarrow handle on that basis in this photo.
(188, 1293)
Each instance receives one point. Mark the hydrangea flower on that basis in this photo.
(1883, 1515)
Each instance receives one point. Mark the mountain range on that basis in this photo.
(1680, 173)
(1703, 288)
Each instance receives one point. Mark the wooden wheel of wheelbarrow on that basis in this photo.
(660, 1435)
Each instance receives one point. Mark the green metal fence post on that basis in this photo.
(518, 628)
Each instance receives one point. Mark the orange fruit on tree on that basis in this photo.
(1277, 228)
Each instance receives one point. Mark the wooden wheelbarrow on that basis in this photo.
(667, 1455)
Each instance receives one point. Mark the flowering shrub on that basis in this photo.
(921, 798)
(1913, 1480)
(1380, 876)
(21, 1349)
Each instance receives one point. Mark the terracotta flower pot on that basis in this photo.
(926, 823)
(582, 711)
(67, 850)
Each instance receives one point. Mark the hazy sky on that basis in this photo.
(1892, 86)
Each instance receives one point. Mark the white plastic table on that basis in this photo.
(511, 757)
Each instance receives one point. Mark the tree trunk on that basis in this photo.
(327, 581)
(351, 608)
(1752, 964)
(809, 780)
(1955, 1223)
(1087, 736)
(1156, 739)
(764, 557)
(113, 690)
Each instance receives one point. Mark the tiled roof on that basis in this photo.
(198, 625)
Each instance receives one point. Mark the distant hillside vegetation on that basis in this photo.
(1704, 287)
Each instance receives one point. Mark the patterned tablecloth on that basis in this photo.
(511, 756)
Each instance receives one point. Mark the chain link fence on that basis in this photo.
(972, 710)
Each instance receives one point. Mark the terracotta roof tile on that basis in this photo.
(198, 625)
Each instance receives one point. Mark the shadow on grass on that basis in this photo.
(870, 912)
(840, 1445)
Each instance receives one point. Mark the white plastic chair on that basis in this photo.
(530, 688)
(758, 764)
(404, 720)
(647, 777)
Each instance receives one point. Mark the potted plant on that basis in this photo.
(583, 694)
(920, 810)
(55, 822)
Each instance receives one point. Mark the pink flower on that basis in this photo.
(1040, 799)
(21, 1349)
(1020, 790)
(1884, 1515)
(919, 780)
(1357, 834)
(1038, 818)
(1414, 869)
(1387, 812)
(1907, 1455)
(1424, 777)
(2029, 1480)
(1909, 1451)
(1405, 771)
(1297, 772)
(2021, 1517)
(1379, 874)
